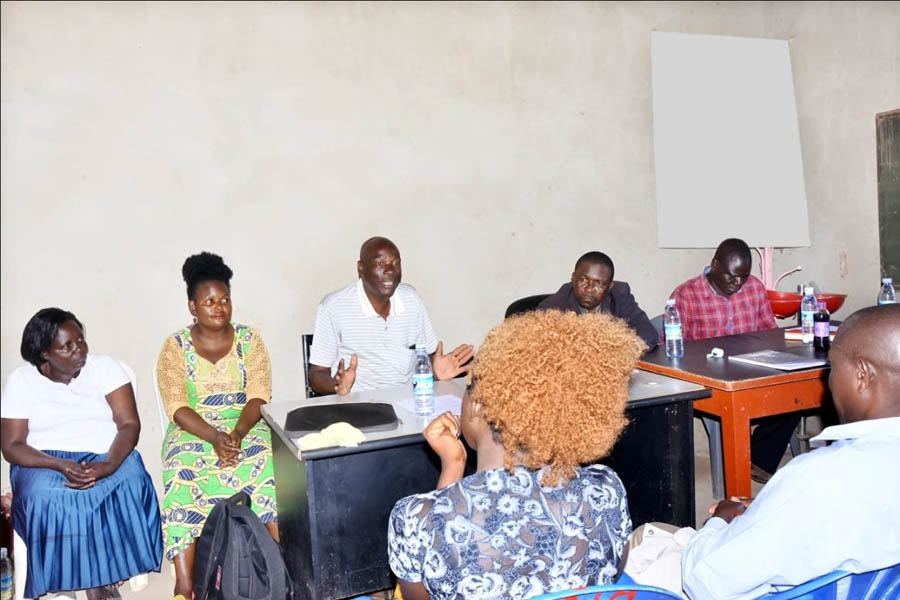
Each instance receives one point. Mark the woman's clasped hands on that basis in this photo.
(227, 447)
(83, 475)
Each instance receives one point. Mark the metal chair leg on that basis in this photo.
(803, 436)
(716, 463)
(800, 439)
(795, 445)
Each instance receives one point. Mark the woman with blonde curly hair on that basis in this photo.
(547, 397)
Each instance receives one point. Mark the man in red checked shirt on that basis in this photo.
(726, 300)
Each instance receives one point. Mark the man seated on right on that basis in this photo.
(727, 300)
(835, 508)
(592, 290)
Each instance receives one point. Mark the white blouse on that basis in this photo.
(74, 417)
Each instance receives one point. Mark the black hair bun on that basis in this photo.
(205, 266)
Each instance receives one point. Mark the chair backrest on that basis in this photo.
(307, 339)
(163, 417)
(657, 323)
(616, 591)
(883, 584)
(132, 377)
(524, 305)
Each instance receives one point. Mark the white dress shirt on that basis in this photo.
(835, 508)
(347, 324)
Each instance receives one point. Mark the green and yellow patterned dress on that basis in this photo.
(193, 480)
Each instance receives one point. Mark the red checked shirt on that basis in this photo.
(706, 314)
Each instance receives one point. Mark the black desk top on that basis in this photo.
(695, 362)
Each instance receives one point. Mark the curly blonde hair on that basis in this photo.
(554, 386)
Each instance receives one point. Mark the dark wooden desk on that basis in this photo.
(741, 392)
(334, 503)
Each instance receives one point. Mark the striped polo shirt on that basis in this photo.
(346, 324)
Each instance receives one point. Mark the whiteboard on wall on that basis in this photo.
(726, 142)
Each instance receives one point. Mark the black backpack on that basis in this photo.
(236, 558)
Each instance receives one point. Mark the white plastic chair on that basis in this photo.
(21, 565)
(163, 421)
(20, 551)
(163, 417)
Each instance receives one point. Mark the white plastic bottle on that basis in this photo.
(6, 576)
(807, 310)
(672, 326)
(887, 294)
(423, 382)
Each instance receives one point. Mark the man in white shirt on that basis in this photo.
(836, 508)
(366, 333)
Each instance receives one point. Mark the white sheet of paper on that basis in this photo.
(726, 135)
(442, 404)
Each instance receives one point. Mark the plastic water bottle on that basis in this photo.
(672, 326)
(423, 382)
(6, 576)
(887, 294)
(822, 328)
(807, 310)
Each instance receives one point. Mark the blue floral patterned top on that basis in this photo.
(500, 534)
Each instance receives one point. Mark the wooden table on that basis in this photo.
(742, 392)
(334, 503)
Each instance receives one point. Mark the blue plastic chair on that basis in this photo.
(625, 588)
(843, 585)
(883, 584)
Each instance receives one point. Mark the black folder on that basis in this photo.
(365, 416)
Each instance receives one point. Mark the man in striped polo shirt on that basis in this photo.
(366, 333)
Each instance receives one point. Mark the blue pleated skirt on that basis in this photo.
(81, 539)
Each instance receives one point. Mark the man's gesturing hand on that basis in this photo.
(344, 378)
(448, 366)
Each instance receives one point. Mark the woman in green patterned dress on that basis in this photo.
(213, 377)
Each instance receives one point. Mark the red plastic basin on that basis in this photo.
(787, 304)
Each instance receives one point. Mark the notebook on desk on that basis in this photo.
(774, 359)
(796, 333)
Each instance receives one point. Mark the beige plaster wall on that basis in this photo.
(493, 142)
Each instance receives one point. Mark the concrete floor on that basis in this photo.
(160, 585)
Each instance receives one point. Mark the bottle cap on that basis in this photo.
(420, 346)
(807, 290)
(670, 302)
(888, 281)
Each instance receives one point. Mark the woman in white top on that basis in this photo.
(82, 499)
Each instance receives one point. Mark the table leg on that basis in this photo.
(714, 431)
(735, 409)
(736, 451)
